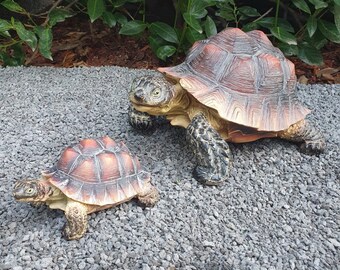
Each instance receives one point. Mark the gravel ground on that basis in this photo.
(280, 209)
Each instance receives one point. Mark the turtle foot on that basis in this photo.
(150, 198)
(313, 147)
(140, 120)
(70, 233)
(304, 132)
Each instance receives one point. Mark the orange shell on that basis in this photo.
(244, 77)
(99, 172)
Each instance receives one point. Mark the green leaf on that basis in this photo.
(337, 16)
(13, 6)
(310, 55)
(45, 41)
(165, 51)
(17, 57)
(156, 42)
(5, 34)
(164, 31)
(26, 35)
(109, 19)
(132, 28)
(192, 35)
(250, 26)
(283, 35)
(210, 27)
(118, 3)
(249, 11)
(18, 54)
(227, 15)
(269, 22)
(120, 18)
(95, 9)
(337, 2)
(301, 4)
(329, 30)
(317, 41)
(312, 25)
(197, 8)
(4, 25)
(58, 15)
(193, 22)
(288, 50)
(318, 4)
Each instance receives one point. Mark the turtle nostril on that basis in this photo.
(139, 95)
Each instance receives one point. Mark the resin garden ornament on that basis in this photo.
(93, 175)
(233, 87)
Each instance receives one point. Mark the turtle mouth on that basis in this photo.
(141, 101)
(137, 103)
(22, 197)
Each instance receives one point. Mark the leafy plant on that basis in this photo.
(166, 40)
(13, 34)
(110, 11)
(304, 35)
(314, 32)
(202, 18)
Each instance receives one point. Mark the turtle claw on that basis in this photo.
(66, 233)
(140, 120)
(313, 147)
(206, 176)
(150, 197)
(69, 235)
(37, 204)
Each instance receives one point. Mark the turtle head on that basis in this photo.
(150, 94)
(31, 191)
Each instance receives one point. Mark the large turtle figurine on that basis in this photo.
(93, 175)
(235, 87)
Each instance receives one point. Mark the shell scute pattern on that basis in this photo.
(244, 77)
(99, 172)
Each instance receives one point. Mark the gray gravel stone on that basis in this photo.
(279, 210)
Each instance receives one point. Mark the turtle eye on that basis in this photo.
(156, 92)
(29, 190)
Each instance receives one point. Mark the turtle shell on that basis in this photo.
(244, 77)
(99, 172)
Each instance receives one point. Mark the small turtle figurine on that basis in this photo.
(235, 87)
(93, 175)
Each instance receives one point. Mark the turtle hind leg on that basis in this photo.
(212, 152)
(304, 132)
(149, 196)
(76, 215)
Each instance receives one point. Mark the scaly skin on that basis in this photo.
(304, 132)
(140, 120)
(212, 152)
(76, 215)
(149, 196)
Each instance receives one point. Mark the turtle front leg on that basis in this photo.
(303, 131)
(212, 152)
(140, 120)
(76, 215)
